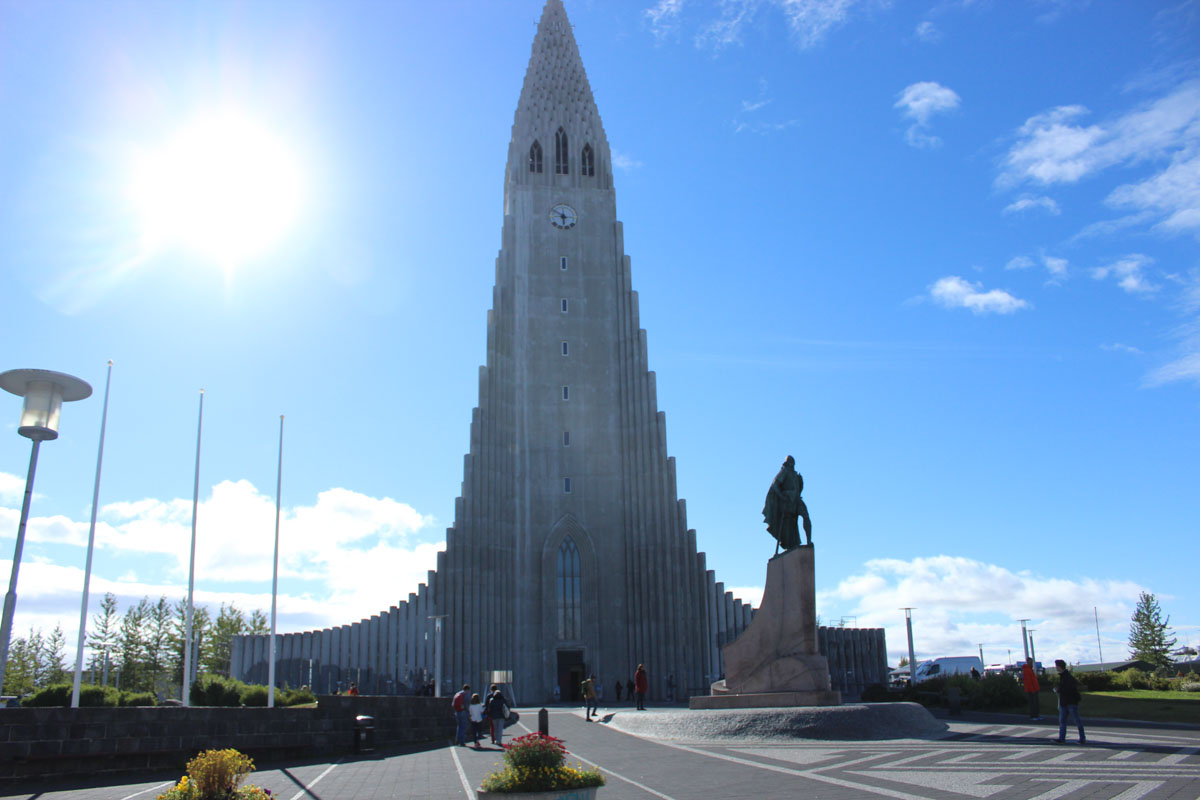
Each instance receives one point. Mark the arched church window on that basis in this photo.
(569, 591)
(535, 156)
(587, 162)
(560, 152)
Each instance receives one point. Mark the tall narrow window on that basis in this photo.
(564, 305)
(535, 156)
(565, 349)
(566, 438)
(560, 152)
(562, 263)
(569, 591)
(566, 485)
(587, 162)
(566, 393)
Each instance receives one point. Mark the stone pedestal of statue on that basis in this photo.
(776, 661)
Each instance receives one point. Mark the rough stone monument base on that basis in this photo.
(776, 662)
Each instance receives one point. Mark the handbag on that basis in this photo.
(512, 719)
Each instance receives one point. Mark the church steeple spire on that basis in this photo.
(557, 136)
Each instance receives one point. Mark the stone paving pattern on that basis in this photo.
(999, 758)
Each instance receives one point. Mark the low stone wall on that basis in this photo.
(36, 742)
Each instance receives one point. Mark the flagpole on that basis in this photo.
(87, 569)
(275, 574)
(187, 635)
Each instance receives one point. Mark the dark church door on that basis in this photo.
(570, 675)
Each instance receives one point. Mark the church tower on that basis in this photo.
(570, 551)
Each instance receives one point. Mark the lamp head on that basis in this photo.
(44, 391)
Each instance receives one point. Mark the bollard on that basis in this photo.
(544, 722)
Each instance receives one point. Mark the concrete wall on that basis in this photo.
(36, 742)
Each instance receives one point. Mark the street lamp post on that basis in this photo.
(44, 391)
(912, 667)
(1025, 638)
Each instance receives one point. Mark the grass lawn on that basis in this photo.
(1137, 704)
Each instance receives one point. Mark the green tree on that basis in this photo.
(20, 676)
(158, 643)
(52, 667)
(1149, 634)
(230, 622)
(259, 624)
(103, 634)
(201, 621)
(131, 648)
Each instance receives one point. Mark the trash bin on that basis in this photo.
(364, 734)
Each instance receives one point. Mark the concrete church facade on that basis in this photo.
(570, 552)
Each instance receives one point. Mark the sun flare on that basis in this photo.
(223, 187)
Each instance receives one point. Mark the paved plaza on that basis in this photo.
(1003, 758)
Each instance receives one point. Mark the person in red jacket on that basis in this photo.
(641, 685)
(1032, 687)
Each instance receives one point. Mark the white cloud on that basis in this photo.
(1174, 192)
(1026, 202)
(1057, 267)
(920, 101)
(1117, 347)
(624, 162)
(663, 17)
(955, 292)
(352, 554)
(747, 594)
(808, 20)
(927, 32)
(1054, 147)
(1186, 368)
(1019, 262)
(12, 487)
(1129, 273)
(962, 603)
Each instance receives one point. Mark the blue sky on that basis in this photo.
(944, 253)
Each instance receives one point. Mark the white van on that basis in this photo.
(948, 665)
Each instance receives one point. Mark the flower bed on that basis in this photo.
(536, 763)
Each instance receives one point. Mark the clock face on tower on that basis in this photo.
(563, 216)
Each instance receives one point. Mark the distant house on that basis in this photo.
(1114, 666)
(1192, 665)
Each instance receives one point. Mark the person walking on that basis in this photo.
(1032, 687)
(620, 686)
(629, 688)
(589, 697)
(462, 714)
(497, 709)
(641, 684)
(1068, 702)
(475, 711)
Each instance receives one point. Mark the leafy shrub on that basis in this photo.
(135, 699)
(535, 763)
(1131, 679)
(1096, 681)
(90, 696)
(213, 690)
(216, 775)
(57, 695)
(298, 697)
(998, 692)
(256, 696)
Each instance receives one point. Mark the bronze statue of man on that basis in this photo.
(784, 507)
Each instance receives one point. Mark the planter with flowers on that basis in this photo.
(535, 768)
(216, 775)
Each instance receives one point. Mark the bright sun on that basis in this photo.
(223, 187)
